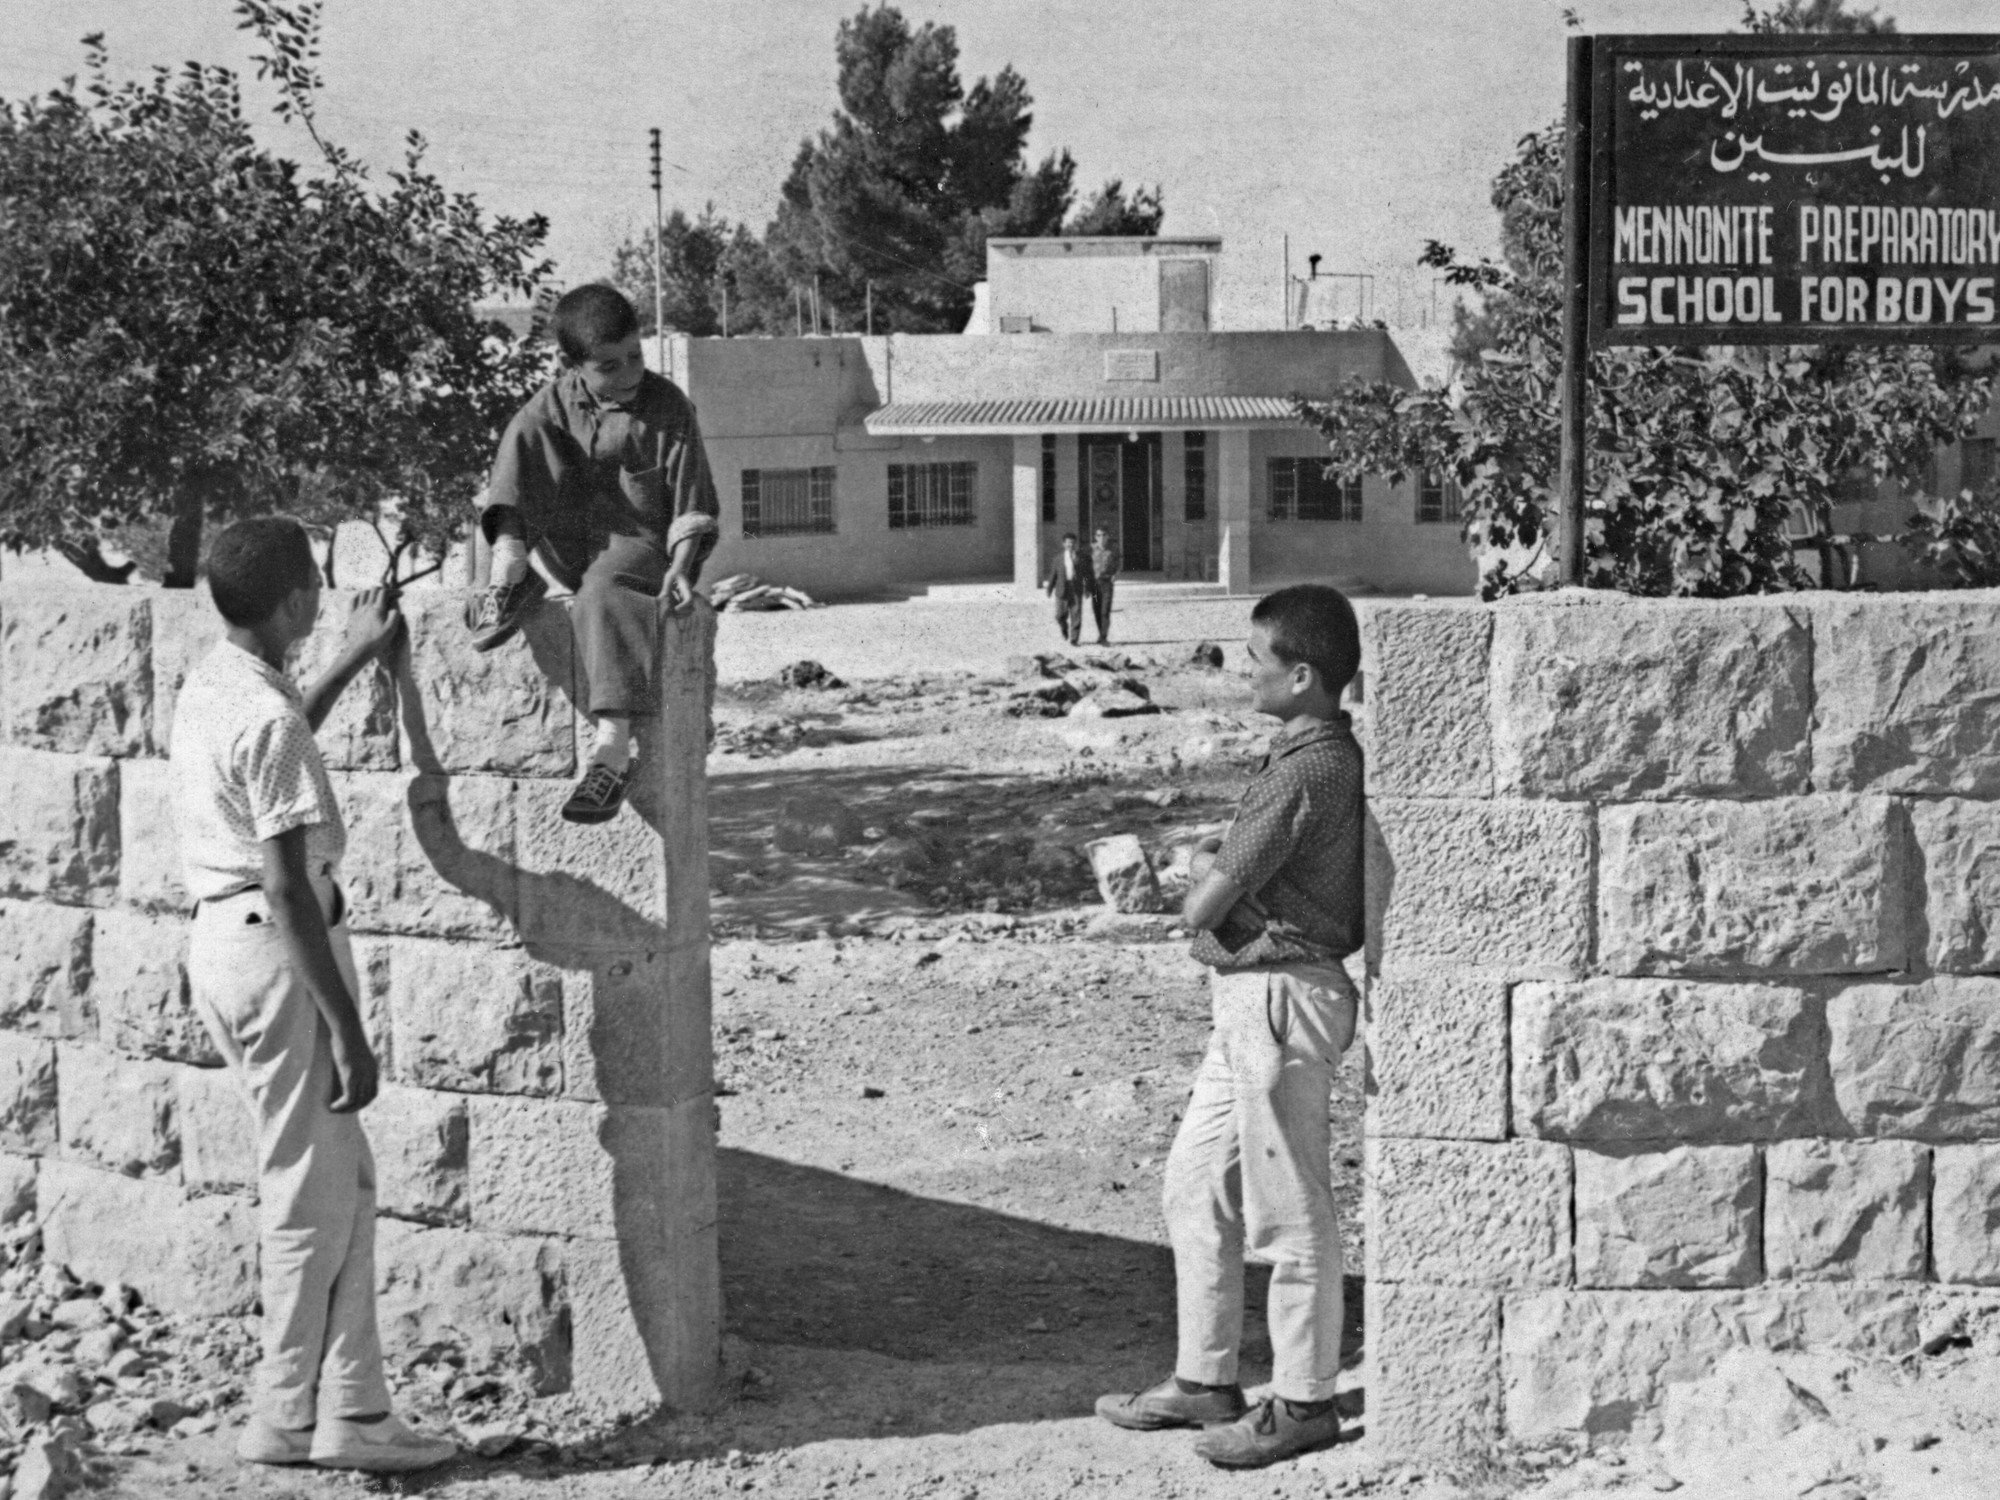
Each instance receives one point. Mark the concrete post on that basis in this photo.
(1027, 514)
(1232, 505)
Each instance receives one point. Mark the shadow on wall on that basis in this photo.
(647, 1101)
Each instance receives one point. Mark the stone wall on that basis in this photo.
(538, 992)
(1685, 1032)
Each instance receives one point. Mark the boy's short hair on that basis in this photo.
(586, 316)
(254, 565)
(1313, 623)
(1069, 536)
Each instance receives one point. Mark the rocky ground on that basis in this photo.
(947, 1080)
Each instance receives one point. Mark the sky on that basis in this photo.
(1354, 129)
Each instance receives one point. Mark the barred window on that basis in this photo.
(1976, 465)
(1438, 498)
(1195, 467)
(1049, 479)
(787, 502)
(932, 495)
(1303, 490)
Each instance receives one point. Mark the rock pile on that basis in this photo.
(1096, 687)
(740, 591)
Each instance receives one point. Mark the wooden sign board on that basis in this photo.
(1794, 190)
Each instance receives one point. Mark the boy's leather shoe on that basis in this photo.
(1266, 1433)
(263, 1441)
(384, 1447)
(1167, 1405)
(495, 615)
(598, 796)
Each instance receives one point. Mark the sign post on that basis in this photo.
(1576, 309)
(1778, 190)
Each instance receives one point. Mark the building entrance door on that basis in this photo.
(1121, 486)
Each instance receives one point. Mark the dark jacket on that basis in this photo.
(1080, 585)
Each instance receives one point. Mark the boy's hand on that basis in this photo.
(373, 627)
(676, 591)
(356, 1075)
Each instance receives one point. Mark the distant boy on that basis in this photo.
(1275, 909)
(603, 476)
(1104, 579)
(273, 979)
(1071, 582)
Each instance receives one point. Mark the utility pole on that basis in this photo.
(659, 294)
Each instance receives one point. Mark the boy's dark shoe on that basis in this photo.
(1271, 1430)
(1167, 1405)
(495, 615)
(598, 796)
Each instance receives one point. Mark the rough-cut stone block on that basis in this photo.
(499, 1299)
(1125, 879)
(139, 984)
(185, 629)
(1426, 717)
(1846, 1210)
(588, 889)
(1804, 885)
(1459, 1213)
(149, 851)
(1958, 846)
(77, 662)
(1589, 1362)
(1688, 1216)
(17, 1190)
(196, 1257)
(1907, 694)
(360, 729)
(1917, 1059)
(1965, 1213)
(1487, 885)
(45, 968)
(636, 1030)
(58, 825)
(648, 1319)
(1433, 1368)
(475, 1018)
(1648, 1060)
(504, 712)
(420, 1147)
(1651, 698)
(588, 1171)
(27, 1095)
(429, 855)
(372, 964)
(219, 1132)
(1437, 1057)
(117, 1112)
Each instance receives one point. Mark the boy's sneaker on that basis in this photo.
(1167, 1405)
(1271, 1430)
(263, 1441)
(598, 796)
(495, 615)
(384, 1447)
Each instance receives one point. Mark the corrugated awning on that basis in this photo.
(1105, 414)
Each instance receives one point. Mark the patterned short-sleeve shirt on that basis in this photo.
(245, 769)
(1295, 847)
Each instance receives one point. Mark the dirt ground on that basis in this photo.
(947, 1090)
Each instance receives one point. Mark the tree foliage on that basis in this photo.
(1697, 459)
(892, 203)
(193, 328)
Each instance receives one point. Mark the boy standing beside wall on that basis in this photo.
(1275, 910)
(273, 980)
(603, 474)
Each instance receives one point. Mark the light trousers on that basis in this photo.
(315, 1174)
(1249, 1173)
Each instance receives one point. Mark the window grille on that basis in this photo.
(923, 495)
(787, 502)
(1049, 479)
(1195, 468)
(1438, 498)
(1302, 489)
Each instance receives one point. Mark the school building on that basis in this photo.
(1090, 389)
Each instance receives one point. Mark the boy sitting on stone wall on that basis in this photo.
(603, 476)
(1275, 909)
(273, 980)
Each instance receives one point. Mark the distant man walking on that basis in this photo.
(1104, 570)
(1071, 581)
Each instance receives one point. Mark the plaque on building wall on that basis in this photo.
(1131, 364)
(1765, 189)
